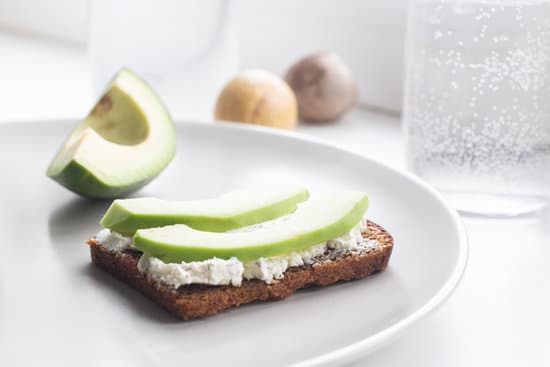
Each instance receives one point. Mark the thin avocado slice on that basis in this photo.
(315, 221)
(232, 210)
(125, 141)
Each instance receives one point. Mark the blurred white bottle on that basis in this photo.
(186, 49)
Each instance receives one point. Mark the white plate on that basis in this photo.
(55, 306)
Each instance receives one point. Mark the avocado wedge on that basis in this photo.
(232, 210)
(315, 221)
(125, 141)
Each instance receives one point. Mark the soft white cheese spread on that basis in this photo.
(212, 271)
(232, 271)
(113, 240)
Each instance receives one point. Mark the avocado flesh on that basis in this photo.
(315, 221)
(232, 210)
(125, 141)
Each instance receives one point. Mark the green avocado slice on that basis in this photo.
(125, 141)
(231, 210)
(315, 221)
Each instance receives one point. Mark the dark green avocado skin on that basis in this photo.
(80, 180)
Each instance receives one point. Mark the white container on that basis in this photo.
(186, 50)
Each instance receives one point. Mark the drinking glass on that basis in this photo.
(477, 102)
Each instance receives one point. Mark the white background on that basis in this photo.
(368, 35)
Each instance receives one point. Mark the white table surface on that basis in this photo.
(499, 315)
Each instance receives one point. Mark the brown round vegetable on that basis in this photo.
(324, 86)
(258, 97)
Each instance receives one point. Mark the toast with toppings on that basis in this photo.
(192, 301)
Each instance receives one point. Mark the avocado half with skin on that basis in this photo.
(125, 141)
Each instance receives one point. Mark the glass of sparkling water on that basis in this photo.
(477, 102)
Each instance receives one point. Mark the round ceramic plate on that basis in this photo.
(55, 306)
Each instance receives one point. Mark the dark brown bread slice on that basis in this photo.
(195, 300)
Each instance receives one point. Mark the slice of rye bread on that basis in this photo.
(197, 300)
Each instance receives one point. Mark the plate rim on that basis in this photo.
(363, 347)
